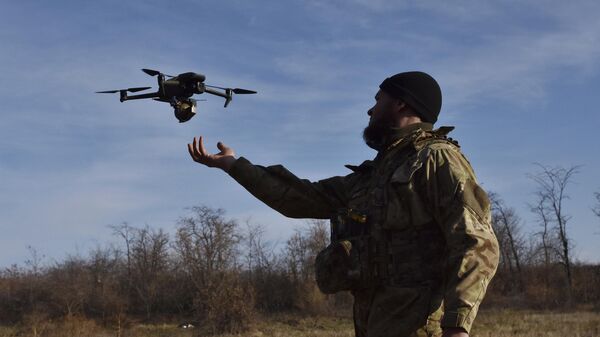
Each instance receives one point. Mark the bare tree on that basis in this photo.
(207, 246)
(546, 247)
(266, 271)
(506, 223)
(260, 256)
(303, 246)
(106, 269)
(125, 232)
(35, 285)
(552, 183)
(318, 236)
(596, 208)
(296, 255)
(34, 262)
(70, 283)
(542, 212)
(299, 255)
(206, 243)
(149, 262)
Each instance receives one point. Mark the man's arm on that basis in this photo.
(462, 210)
(275, 185)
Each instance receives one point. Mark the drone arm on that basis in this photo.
(215, 92)
(141, 96)
(227, 94)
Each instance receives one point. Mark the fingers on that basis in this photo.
(194, 151)
(202, 149)
(191, 151)
(198, 152)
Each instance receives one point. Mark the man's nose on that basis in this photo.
(370, 112)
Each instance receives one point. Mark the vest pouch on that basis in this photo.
(398, 215)
(333, 268)
(344, 265)
(405, 206)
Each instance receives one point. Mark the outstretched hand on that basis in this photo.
(223, 160)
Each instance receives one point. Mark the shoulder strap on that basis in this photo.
(439, 135)
(443, 130)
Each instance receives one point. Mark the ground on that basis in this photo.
(497, 323)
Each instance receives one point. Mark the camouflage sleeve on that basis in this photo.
(462, 210)
(289, 195)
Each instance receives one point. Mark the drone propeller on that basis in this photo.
(128, 89)
(151, 72)
(235, 91)
(154, 72)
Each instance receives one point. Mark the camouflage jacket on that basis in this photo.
(421, 183)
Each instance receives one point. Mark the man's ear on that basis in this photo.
(400, 105)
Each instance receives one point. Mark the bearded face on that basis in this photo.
(382, 117)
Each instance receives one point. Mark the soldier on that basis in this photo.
(411, 232)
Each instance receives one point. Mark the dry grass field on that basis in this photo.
(537, 324)
(490, 323)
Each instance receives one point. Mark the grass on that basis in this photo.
(536, 324)
(497, 323)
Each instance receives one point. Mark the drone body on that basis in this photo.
(178, 90)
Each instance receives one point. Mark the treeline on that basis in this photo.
(212, 271)
(220, 274)
(537, 269)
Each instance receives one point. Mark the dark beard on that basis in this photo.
(375, 135)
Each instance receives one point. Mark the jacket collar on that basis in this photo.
(402, 136)
(397, 137)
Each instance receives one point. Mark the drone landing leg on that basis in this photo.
(174, 102)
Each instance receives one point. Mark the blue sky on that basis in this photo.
(519, 79)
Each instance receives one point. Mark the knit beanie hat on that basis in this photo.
(418, 90)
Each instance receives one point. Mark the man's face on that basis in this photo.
(381, 118)
(382, 112)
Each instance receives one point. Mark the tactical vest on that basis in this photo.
(389, 238)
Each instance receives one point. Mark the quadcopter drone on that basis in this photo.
(177, 91)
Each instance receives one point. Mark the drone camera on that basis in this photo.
(185, 110)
